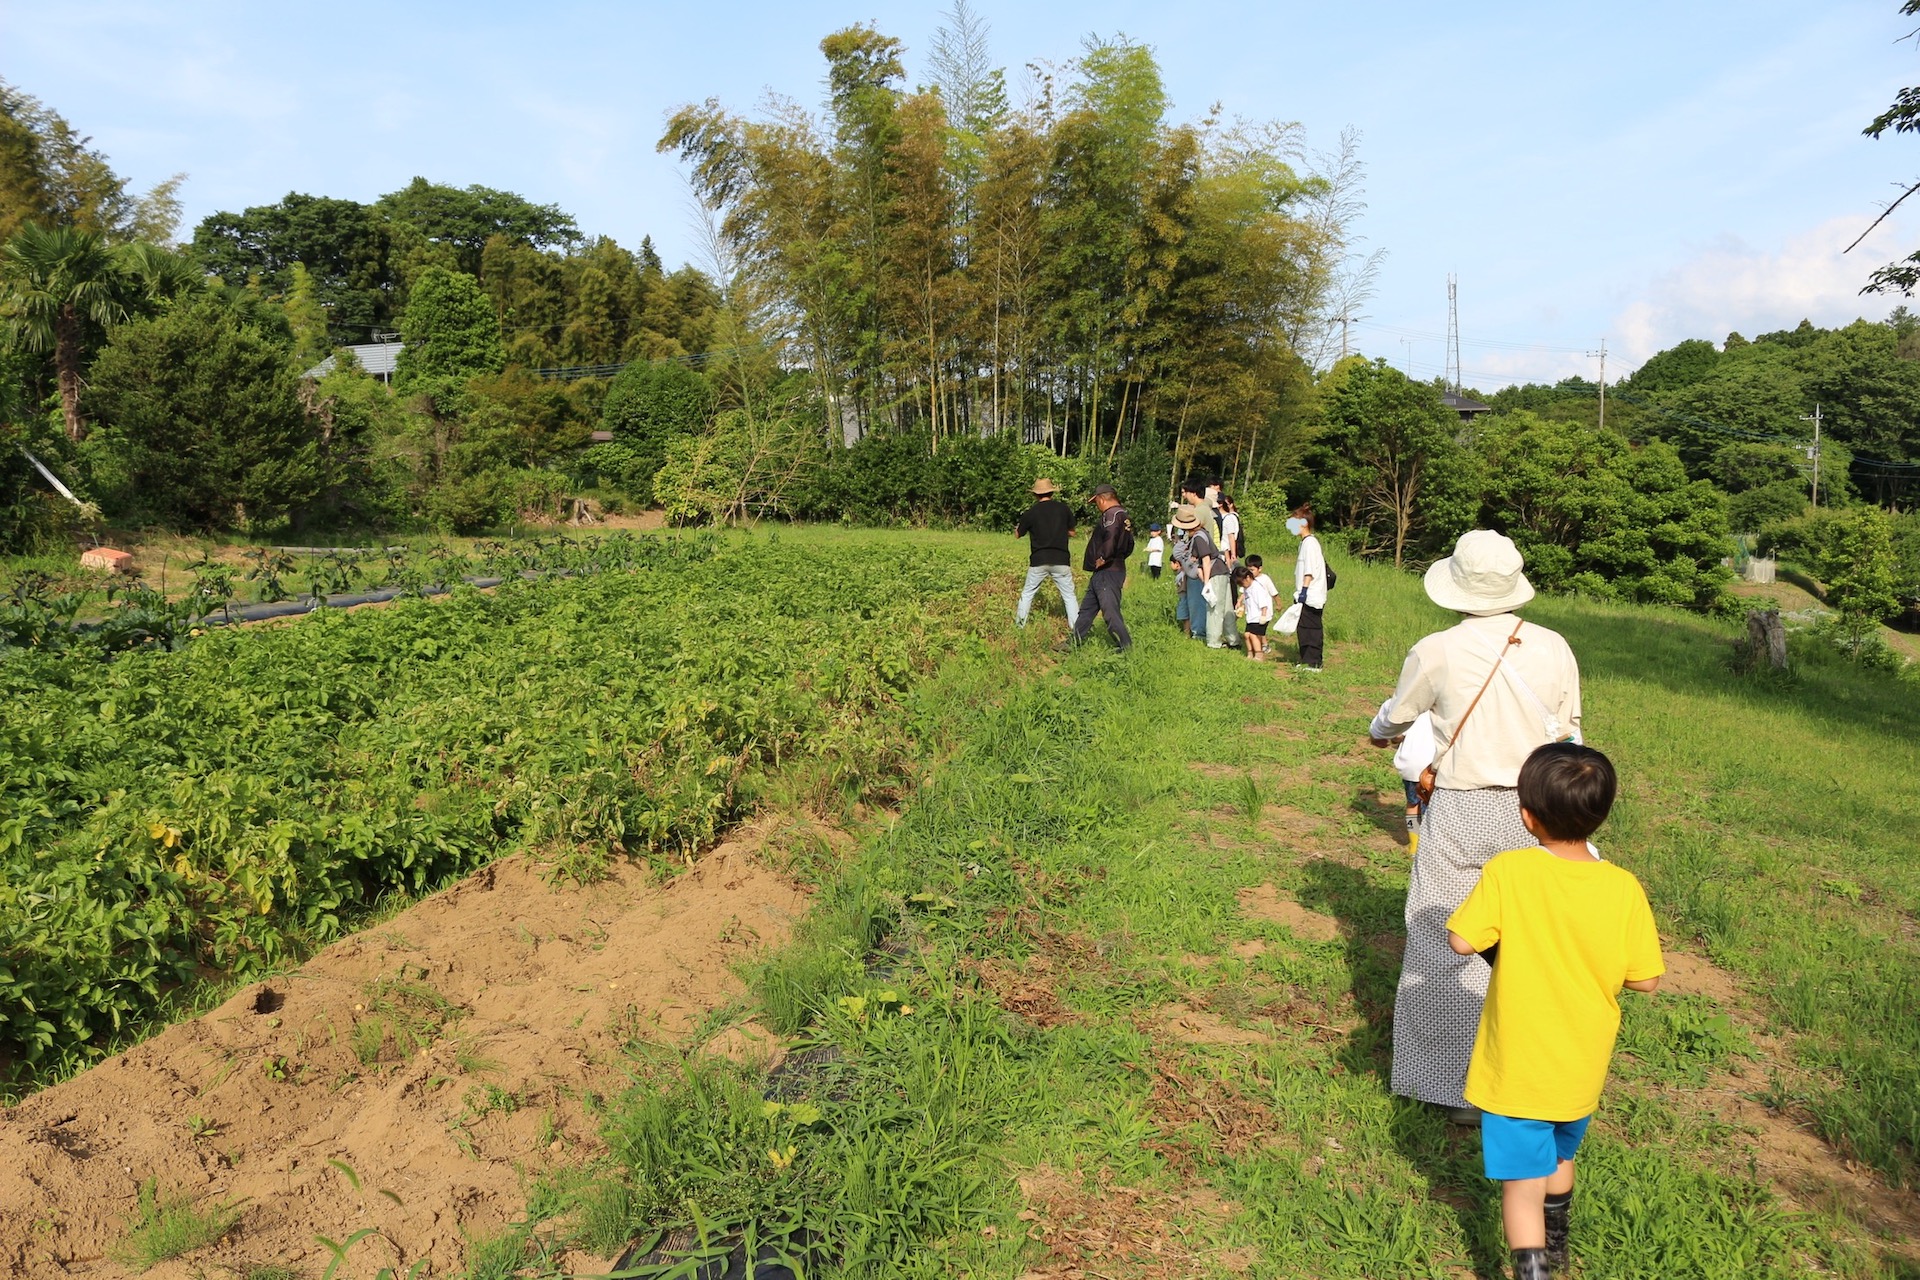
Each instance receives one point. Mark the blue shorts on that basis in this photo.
(1515, 1149)
(1413, 795)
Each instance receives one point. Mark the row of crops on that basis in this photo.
(40, 610)
(167, 815)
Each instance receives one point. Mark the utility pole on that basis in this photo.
(1453, 333)
(1406, 352)
(1602, 354)
(1813, 454)
(1345, 320)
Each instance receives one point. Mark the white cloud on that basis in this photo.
(1730, 285)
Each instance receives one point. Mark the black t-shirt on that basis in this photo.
(1047, 525)
(1106, 539)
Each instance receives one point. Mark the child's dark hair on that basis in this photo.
(1568, 789)
(1242, 574)
(1255, 563)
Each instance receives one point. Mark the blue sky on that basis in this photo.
(1640, 172)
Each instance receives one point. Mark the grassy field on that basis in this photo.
(1113, 996)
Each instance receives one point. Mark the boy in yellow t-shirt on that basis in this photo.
(1569, 931)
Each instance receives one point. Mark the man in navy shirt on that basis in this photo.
(1048, 524)
(1106, 560)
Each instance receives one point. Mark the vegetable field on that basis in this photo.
(169, 817)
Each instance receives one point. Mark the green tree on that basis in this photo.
(1681, 365)
(465, 218)
(1594, 513)
(450, 331)
(1385, 462)
(648, 407)
(50, 174)
(345, 246)
(1859, 565)
(57, 282)
(204, 411)
(1902, 116)
(306, 317)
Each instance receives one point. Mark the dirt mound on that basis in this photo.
(408, 1079)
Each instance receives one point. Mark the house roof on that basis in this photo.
(377, 358)
(1463, 404)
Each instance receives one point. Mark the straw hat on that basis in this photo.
(1043, 486)
(1185, 516)
(1482, 577)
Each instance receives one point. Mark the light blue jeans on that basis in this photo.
(1062, 577)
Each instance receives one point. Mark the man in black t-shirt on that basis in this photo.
(1047, 525)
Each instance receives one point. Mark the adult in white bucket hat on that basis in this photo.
(1496, 688)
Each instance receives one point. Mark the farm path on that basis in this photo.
(443, 1057)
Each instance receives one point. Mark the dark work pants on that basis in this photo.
(1103, 593)
(1312, 634)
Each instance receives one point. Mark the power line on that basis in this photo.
(1491, 343)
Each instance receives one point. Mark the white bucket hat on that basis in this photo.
(1481, 577)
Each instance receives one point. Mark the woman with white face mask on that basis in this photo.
(1309, 589)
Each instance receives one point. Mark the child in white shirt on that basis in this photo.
(1257, 594)
(1412, 755)
(1156, 551)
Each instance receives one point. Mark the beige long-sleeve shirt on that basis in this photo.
(1445, 670)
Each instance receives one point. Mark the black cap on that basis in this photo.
(1105, 491)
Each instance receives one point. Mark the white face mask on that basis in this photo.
(1296, 526)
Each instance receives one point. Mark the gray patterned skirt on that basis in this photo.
(1437, 1009)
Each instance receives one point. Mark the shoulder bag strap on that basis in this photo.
(1498, 662)
(1548, 721)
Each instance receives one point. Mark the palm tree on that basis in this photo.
(53, 282)
(155, 276)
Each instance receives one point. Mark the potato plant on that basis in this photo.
(218, 808)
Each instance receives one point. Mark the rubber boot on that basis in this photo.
(1558, 1209)
(1531, 1264)
(1413, 835)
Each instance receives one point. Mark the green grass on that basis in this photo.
(1070, 867)
(168, 1225)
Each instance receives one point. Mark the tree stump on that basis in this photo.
(1766, 639)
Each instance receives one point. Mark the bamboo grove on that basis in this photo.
(1075, 267)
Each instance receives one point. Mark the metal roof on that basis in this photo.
(377, 358)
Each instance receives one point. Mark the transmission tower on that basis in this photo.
(1453, 334)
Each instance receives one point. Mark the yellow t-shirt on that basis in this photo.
(1570, 934)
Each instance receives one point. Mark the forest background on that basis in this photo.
(915, 300)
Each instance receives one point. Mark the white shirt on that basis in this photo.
(1416, 748)
(1311, 560)
(1229, 531)
(1156, 548)
(1444, 672)
(1258, 597)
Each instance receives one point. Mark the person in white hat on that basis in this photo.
(1496, 687)
(1048, 525)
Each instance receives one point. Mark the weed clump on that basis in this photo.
(168, 1225)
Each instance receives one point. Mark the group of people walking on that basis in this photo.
(1222, 595)
(1519, 935)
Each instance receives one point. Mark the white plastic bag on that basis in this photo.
(1209, 593)
(1289, 622)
